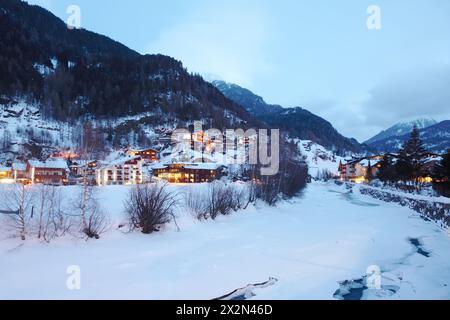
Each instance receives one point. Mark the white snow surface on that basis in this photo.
(309, 244)
(318, 158)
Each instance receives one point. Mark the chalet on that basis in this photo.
(19, 171)
(53, 171)
(149, 154)
(83, 167)
(82, 171)
(6, 175)
(356, 170)
(430, 169)
(123, 171)
(189, 172)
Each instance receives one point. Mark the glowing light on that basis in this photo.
(360, 180)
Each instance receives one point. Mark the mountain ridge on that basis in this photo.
(73, 73)
(436, 139)
(299, 122)
(402, 128)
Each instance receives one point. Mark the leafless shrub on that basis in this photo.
(218, 199)
(287, 183)
(17, 202)
(241, 198)
(268, 189)
(197, 203)
(93, 220)
(150, 206)
(52, 221)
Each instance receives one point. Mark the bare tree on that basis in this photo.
(52, 221)
(150, 206)
(93, 219)
(18, 200)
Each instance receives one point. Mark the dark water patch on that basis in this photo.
(418, 246)
(247, 292)
(355, 290)
(351, 290)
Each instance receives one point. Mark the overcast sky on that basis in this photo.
(317, 54)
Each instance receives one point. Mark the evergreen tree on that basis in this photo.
(386, 173)
(445, 165)
(411, 158)
(369, 174)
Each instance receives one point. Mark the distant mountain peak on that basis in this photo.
(402, 128)
(436, 138)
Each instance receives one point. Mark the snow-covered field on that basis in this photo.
(309, 245)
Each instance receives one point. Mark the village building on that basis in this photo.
(19, 171)
(81, 170)
(149, 154)
(6, 175)
(52, 172)
(83, 167)
(123, 171)
(430, 167)
(65, 154)
(189, 172)
(356, 170)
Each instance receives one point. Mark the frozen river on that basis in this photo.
(319, 246)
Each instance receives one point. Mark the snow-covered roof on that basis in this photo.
(120, 161)
(81, 163)
(203, 166)
(192, 166)
(7, 169)
(159, 166)
(365, 162)
(19, 166)
(49, 164)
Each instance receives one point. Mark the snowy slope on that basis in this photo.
(22, 125)
(401, 129)
(309, 245)
(319, 159)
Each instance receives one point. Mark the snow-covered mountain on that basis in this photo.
(253, 103)
(25, 133)
(298, 122)
(402, 128)
(69, 74)
(57, 84)
(436, 138)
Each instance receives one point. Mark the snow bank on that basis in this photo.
(438, 212)
(311, 245)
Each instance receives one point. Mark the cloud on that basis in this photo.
(404, 95)
(420, 92)
(218, 39)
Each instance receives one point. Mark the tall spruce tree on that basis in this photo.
(386, 173)
(369, 173)
(445, 166)
(411, 158)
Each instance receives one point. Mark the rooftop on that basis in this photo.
(49, 164)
